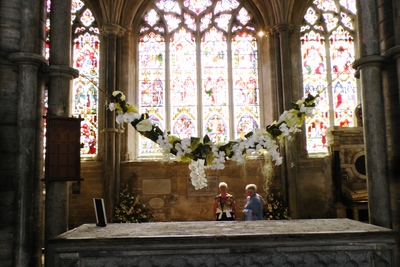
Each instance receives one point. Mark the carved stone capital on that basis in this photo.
(271, 31)
(368, 61)
(62, 70)
(25, 58)
(112, 28)
(284, 28)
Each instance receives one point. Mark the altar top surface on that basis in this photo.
(214, 229)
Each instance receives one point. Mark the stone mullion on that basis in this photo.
(59, 105)
(369, 66)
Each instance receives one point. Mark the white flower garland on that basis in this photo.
(213, 155)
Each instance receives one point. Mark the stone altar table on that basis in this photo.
(319, 242)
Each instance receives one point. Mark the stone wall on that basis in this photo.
(315, 188)
(166, 189)
(81, 208)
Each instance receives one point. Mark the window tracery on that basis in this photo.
(198, 69)
(86, 46)
(327, 47)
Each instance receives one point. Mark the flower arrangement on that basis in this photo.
(276, 208)
(130, 209)
(202, 152)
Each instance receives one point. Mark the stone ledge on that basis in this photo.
(209, 243)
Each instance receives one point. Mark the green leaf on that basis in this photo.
(206, 139)
(274, 130)
(249, 134)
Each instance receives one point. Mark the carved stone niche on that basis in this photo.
(347, 149)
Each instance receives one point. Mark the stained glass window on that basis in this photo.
(86, 60)
(198, 69)
(327, 47)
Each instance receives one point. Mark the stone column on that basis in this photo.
(284, 30)
(289, 182)
(369, 66)
(277, 91)
(394, 53)
(27, 183)
(27, 243)
(59, 105)
(111, 165)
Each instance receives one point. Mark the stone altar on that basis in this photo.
(317, 242)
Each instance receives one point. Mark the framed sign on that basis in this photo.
(100, 210)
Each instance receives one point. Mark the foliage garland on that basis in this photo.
(203, 153)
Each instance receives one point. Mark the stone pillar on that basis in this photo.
(277, 92)
(59, 105)
(284, 30)
(25, 250)
(394, 137)
(111, 165)
(27, 243)
(289, 182)
(369, 66)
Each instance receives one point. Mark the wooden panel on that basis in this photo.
(63, 149)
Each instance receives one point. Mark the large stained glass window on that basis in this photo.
(198, 69)
(327, 47)
(86, 60)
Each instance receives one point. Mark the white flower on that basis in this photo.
(218, 159)
(163, 142)
(250, 151)
(144, 125)
(307, 110)
(237, 153)
(111, 106)
(284, 129)
(186, 145)
(300, 102)
(197, 174)
(120, 118)
(131, 116)
(275, 155)
(179, 151)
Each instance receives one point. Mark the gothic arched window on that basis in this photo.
(85, 37)
(198, 69)
(327, 47)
